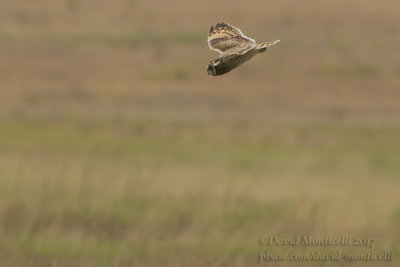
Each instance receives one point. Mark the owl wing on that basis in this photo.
(225, 38)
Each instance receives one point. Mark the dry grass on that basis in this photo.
(117, 150)
(124, 194)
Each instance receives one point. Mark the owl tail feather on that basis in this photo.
(267, 44)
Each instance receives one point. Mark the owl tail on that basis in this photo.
(263, 46)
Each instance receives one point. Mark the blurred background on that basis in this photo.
(117, 149)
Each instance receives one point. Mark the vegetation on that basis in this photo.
(116, 149)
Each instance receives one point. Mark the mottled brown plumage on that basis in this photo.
(235, 48)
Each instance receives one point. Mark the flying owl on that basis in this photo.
(235, 48)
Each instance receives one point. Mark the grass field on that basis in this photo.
(116, 149)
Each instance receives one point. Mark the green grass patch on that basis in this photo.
(361, 70)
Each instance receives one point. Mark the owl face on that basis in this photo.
(211, 69)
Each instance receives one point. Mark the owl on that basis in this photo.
(235, 48)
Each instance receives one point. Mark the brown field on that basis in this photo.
(116, 149)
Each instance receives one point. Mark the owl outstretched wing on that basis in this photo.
(227, 39)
